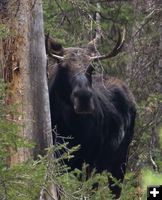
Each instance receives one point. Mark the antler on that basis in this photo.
(56, 56)
(116, 49)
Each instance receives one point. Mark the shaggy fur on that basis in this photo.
(104, 132)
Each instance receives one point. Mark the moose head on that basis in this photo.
(76, 66)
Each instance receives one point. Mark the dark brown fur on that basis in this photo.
(98, 113)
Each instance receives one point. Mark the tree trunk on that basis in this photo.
(24, 68)
(160, 46)
(23, 61)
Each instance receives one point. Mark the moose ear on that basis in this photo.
(53, 47)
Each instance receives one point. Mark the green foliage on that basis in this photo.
(23, 181)
(150, 178)
(73, 22)
(77, 186)
(4, 31)
(129, 190)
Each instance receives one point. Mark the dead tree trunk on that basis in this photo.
(23, 61)
(24, 68)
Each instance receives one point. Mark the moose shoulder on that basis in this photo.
(98, 113)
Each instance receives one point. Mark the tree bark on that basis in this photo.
(160, 46)
(23, 61)
(24, 68)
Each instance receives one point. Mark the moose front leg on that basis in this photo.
(117, 173)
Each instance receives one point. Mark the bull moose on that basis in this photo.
(98, 115)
